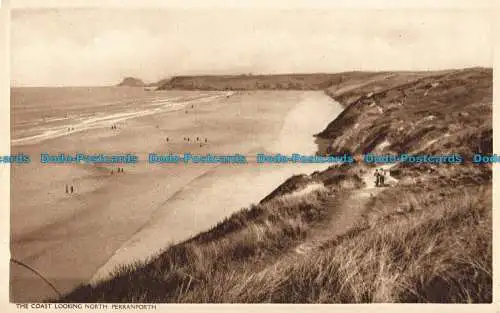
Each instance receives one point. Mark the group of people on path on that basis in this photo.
(379, 177)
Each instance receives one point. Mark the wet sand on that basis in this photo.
(115, 219)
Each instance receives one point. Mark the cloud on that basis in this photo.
(96, 47)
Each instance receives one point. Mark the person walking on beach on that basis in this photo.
(71, 189)
(66, 188)
(382, 177)
(377, 178)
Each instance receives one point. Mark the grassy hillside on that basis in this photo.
(426, 237)
(444, 109)
(315, 81)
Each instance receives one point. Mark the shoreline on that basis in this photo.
(259, 182)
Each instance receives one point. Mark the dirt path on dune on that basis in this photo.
(345, 212)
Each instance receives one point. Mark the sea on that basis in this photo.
(41, 113)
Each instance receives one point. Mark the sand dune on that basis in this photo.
(81, 124)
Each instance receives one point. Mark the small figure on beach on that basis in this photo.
(71, 189)
(166, 139)
(206, 140)
(382, 177)
(197, 138)
(192, 106)
(66, 188)
(377, 177)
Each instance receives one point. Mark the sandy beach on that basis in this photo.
(114, 219)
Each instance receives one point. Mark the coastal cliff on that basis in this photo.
(425, 236)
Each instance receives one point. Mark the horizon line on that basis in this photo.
(251, 74)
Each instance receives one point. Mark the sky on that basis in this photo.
(100, 46)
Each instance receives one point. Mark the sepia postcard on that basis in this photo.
(168, 152)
